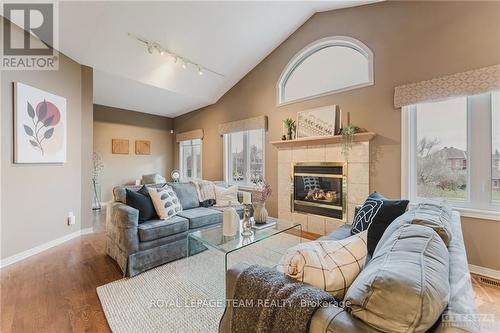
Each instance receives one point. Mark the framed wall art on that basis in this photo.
(316, 122)
(40, 129)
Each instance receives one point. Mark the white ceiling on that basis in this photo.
(228, 37)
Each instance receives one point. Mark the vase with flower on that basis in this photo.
(260, 214)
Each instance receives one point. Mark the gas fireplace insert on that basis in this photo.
(320, 188)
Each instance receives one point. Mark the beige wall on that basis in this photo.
(112, 123)
(411, 41)
(87, 144)
(36, 198)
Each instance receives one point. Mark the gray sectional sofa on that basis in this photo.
(397, 298)
(137, 247)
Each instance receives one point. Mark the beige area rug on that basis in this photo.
(186, 295)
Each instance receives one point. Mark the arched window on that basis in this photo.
(328, 65)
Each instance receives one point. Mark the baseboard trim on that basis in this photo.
(43, 247)
(488, 272)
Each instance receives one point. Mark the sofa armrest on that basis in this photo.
(121, 226)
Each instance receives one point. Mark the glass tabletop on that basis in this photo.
(213, 236)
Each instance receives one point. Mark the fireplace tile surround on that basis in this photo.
(358, 178)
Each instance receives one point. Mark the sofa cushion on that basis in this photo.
(141, 201)
(201, 216)
(187, 194)
(165, 202)
(375, 216)
(341, 232)
(436, 215)
(405, 287)
(120, 192)
(155, 229)
(331, 265)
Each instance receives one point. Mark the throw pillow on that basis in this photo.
(331, 265)
(206, 190)
(165, 202)
(225, 196)
(375, 216)
(153, 178)
(141, 201)
(405, 287)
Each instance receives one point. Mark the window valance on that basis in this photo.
(191, 135)
(244, 125)
(467, 83)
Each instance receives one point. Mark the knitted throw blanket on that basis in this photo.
(269, 301)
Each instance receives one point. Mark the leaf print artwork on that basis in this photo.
(44, 119)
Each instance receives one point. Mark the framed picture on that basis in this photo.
(317, 122)
(142, 147)
(119, 146)
(40, 130)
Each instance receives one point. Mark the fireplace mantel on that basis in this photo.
(321, 140)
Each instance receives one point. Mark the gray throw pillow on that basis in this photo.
(187, 194)
(405, 287)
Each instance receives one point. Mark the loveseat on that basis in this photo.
(137, 247)
(458, 316)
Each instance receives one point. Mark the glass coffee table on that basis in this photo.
(213, 238)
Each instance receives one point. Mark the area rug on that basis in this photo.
(186, 295)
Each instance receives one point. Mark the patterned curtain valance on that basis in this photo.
(472, 82)
(244, 125)
(191, 135)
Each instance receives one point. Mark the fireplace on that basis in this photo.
(320, 188)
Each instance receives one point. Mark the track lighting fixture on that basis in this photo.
(152, 46)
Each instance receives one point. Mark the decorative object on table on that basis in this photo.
(39, 126)
(97, 167)
(246, 223)
(290, 127)
(260, 214)
(316, 122)
(142, 147)
(230, 222)
(120, 146)
(175, 175)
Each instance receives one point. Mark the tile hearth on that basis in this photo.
(358, 181)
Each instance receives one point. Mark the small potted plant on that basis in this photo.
(260, 214)
(347, 132)
(290, 126)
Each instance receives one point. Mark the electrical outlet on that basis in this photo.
(71, 218)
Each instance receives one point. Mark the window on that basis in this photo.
(244, 156)
(190, 158)
(329, 65)
(451, 150)
(495, 147)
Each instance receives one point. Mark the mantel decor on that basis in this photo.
(322, 140)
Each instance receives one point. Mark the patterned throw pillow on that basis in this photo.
(226, 196)
(376, 214)
(165, 201)
(206, 190)
(331, 265)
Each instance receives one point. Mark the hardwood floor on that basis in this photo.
(55, 291)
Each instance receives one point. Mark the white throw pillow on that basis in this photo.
(206, 190)
(224, 196)
(331, 265)
(165, 202)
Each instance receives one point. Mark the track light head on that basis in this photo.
(162, 52)
(150, 48)
(184, 66)
(200, 71)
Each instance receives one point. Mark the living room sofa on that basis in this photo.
(459, 315)
(137, 247)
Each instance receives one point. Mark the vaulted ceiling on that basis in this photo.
(228, 37)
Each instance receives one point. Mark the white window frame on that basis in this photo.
(479, 167)
(227, 167)
(181, 159)
(311, 49)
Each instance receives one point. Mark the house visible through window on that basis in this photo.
(190, 158)
(244, 156)
(453, 151)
